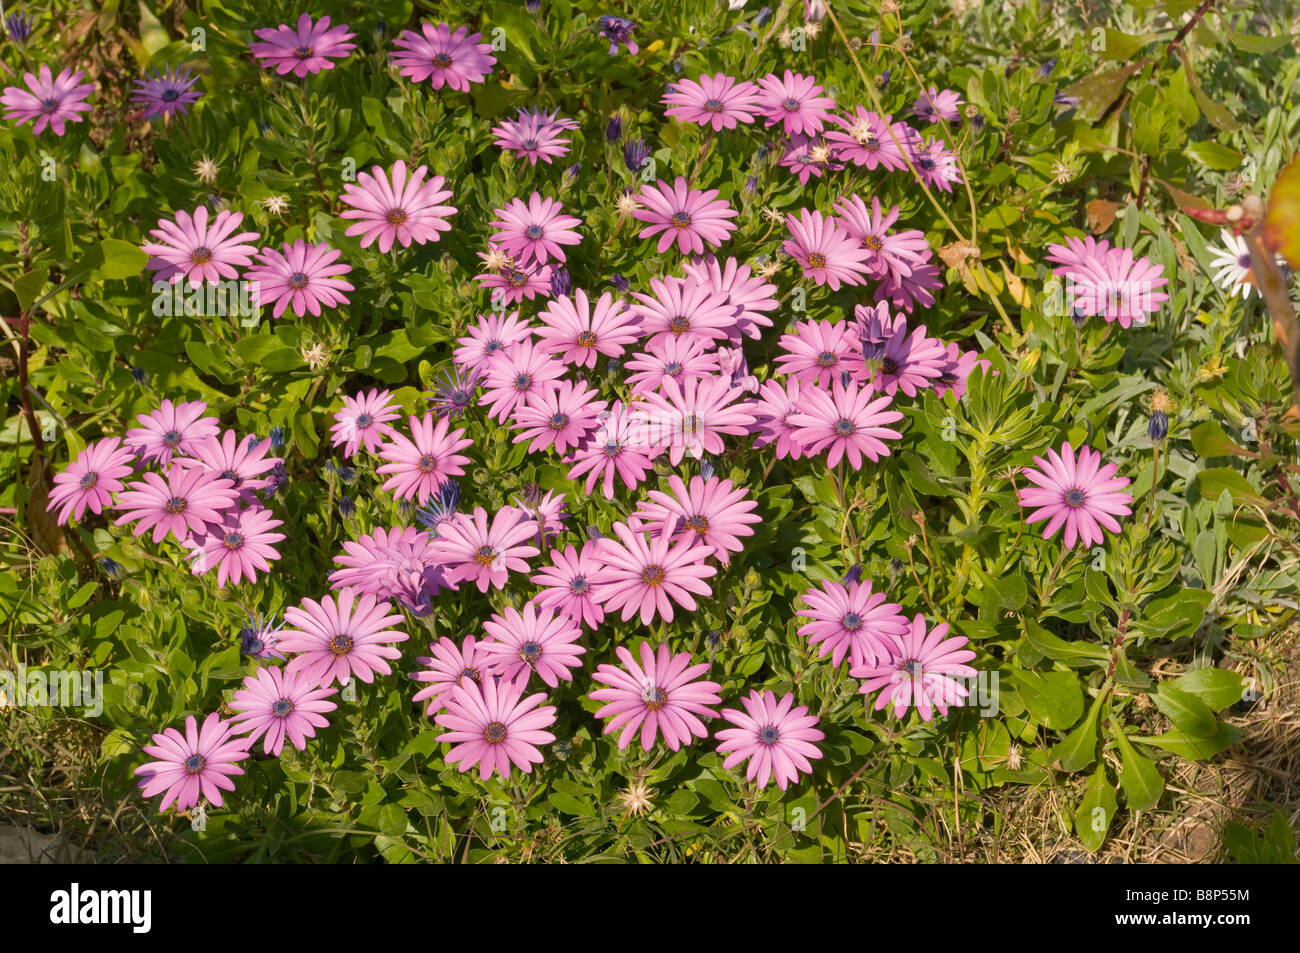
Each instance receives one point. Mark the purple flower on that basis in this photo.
(636, 153)
(167, 92)
(617, 30)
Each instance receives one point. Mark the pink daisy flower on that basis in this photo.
(547, 514)
(509, 283)
(827, 254)
(449, 666)
(182, 502)
(419, 466)
(239, 547)
(1077, 493)
(91, 479)
(936, 165)
(868, 139)
(534, 135)
(617, 448)
(569, 582)
(773, 736)
(516, 376)
(1119, 287)
(820, 353)
(718, 101)
(888, 253)
(171, 429)
(308, 49)
(277, 703)
(393, 207)
(561, 416)
(241, 461)
(580, 332)
(305, 276)
(847, 421)
(443, 57)
(795, 101)
(710, 511)
(851, 620)
(532, 641)
(679, 357)
(922, 670)
(907, 292)
(661, 695)
(342, 636)
(472, 551)
(957, 367)
(49, 100)
(647, 576)
(493, 335)
(684, 307)
(494, 726)
(777, 403)
(750, 294)
(188, 249)
(396, 563)
(684, 215)
(693, 417)
(908, 362)
(199, 763)
(809, 157)
(535, 231)
(363, 421)
(934, 105)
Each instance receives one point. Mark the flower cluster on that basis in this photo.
(612, 389)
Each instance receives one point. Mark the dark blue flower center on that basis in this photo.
(579, 585)
(428, 464)
(1074, 498)
(176, 505)
(170, 94)
(559, 421)
(523, 382)
(297, 280)
(364, 421)
(845, 427)
(530, 652)
(304, 52)
(681, 220)
(195, 763)
(533, 231)
(232, 541)
(340, 645)
(282, 708)
(713, 106)
(494, 733)
(768, 735)
(851, 621)
(89, 480)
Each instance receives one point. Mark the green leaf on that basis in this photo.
(568, 804)
(1059, 649)
(1211, 440)
(1079, 748)
(1054, 699)
(1197, 749)
(1211, 483)
(1138, 776)
(1096, 94)
(28, 287)
(115, 259)
(1257, 44)
(1189, 714)
(1215, 156)
(1216, 687)
(1096, 811)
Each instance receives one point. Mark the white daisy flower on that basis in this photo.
(1231, 265)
